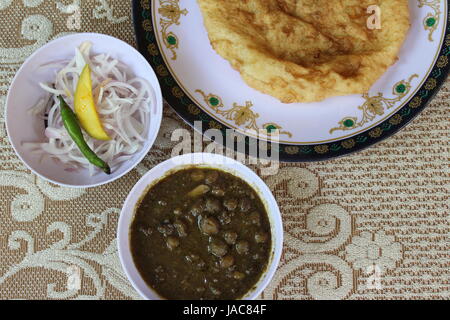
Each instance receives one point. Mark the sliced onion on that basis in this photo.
(123, 105)
(54, 133)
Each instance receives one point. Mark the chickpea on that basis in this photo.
(172, 243)
(254, 218)
(166, 229)
(230, 237)
(245, 205)
(208, 225)
(218, 248)
(225, 218)
(227, 261)
(212, 205)
(211, 177)
(197, 208)
(230, 204)
(197, 175)
(261, 237)
(181, 228)
(238, 275)
(217, 192)
(242, 247)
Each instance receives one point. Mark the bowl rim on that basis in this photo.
(158, 115)
(209, 160)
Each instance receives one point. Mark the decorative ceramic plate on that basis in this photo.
(201, 86)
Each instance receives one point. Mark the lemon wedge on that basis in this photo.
(85, 107)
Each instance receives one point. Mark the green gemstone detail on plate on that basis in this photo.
(172, 40)
(349, 123)
(170, 14)
(431, 22)
(401, 88)
(271, 128)
(432, 19)
(242, 115)
(376, 105)
(214, 101)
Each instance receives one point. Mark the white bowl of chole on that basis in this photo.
(200, 226)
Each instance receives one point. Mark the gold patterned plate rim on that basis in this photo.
(171, 16)
(190, 110)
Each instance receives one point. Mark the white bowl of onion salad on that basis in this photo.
(126, 95)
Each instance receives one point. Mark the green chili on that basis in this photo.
(73, 128)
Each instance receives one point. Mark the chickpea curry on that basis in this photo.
(201, 233)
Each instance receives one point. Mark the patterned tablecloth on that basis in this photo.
(387, 205)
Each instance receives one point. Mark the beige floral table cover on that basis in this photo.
(386, 207)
